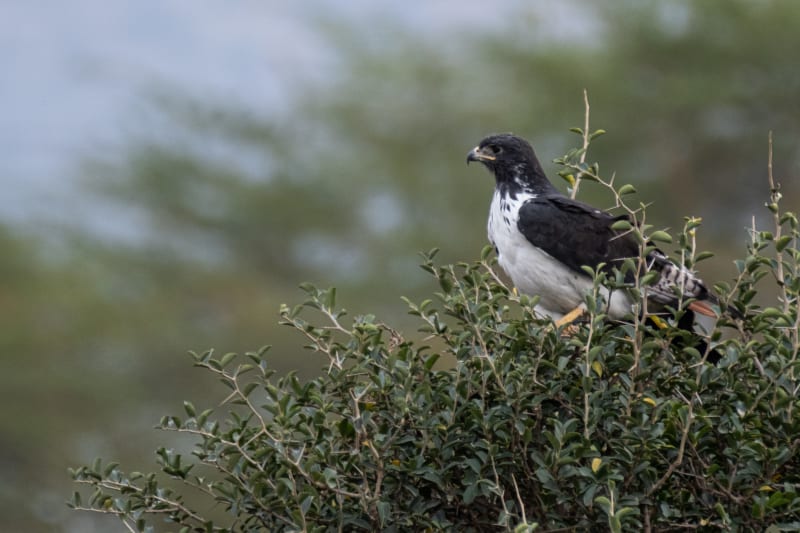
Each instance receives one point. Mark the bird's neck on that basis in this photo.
(526, 178)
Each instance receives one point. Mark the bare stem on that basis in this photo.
(585, 125)
(588, 368)
(574, 192)
(774, 198)
(519, 499)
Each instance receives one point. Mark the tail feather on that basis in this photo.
(702, 307)
(673, 276)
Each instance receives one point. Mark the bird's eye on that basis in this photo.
(495, 149)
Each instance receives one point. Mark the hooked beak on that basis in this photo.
(476, 154)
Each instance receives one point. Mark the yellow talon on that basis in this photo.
(659, 322)
(571, 317)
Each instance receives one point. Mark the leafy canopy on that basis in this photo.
(495, 420)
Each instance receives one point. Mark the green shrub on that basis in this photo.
(495, 420)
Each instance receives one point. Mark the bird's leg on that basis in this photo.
(572, 316)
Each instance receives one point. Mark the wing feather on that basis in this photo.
(574, 233)
(578, 235)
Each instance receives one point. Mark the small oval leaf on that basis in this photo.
(621, 225)
(783, 242)
(660, 236)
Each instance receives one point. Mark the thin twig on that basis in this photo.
(519, 499)
(588, 367)
(574, 192)
(585, 125)
(774, 198)
(500, 488)
(172, 505)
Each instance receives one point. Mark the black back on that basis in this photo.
(575, 233)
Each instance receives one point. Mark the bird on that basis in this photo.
(543, 239)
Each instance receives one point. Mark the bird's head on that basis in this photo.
(512, 161)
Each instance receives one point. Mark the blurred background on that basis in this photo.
(171, 171)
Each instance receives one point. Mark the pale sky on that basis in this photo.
(76, 74)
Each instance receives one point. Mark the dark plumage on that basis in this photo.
(543, 238)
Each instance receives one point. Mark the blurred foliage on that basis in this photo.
(230, 211)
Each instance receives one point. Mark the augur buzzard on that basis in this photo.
(543, 238)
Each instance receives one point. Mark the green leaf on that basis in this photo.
(249, 388)
(226, 359)
(626, 189)
(430, 360)
(649, 278)
(604, 503)
(331, 477)
(771, 312)
(661, 236)
(384, 512)
(110, 467)
(330, 298)
(783, 242)
(470, 494)
(621, 225)
(596, 133)
(588, 495)
(307, 287)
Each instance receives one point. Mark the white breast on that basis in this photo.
(533, 271)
